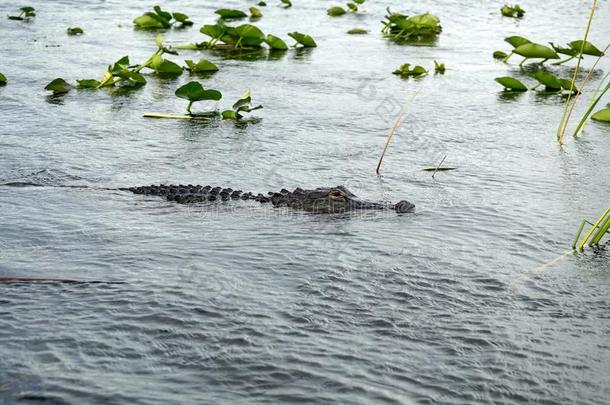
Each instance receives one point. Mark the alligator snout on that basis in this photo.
(404, 206)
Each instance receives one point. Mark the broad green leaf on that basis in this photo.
(549, 80)
(565, 51)
(532, 50)
(335, 11)
(150, 20)
(352, 7)
(227, 13)
(214, 31)
(244, 100)
(75, 31)
(358, 31)
(27, 9)
(203, 65)
(567, 85)
(165, 67)
(229, 115)
(182, 18)
(516, 41)
(88, 84)
(131, 79)
(510, 83)
(194, 91)
(589, 48)
(58, 86)
(164, 15)
(3, 80)
(119, 66)
(499, 55)
(250, 32)
(275, 42)
(303, 39)
(255, 12)
(602, 115)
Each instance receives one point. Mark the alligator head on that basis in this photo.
(331, 200)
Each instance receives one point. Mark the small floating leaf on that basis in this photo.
(512, 11)
(261, 4)
(303, 39)
(500, 55)
(194, 91)
(602, 115)
(58, 86)
(532, 50)
(510, 83)
(288, 3)
(439, 68)
(150, 20)
(182, 18)
(229, 115)
(516, 41)
(255, 12)
(275, 42)
(88, 84)
(203, 65)
(229, 14)
(3, 79)
(405, 71)
(165, 67)
(358, 31)
(588, 49)
(335, 11)
(548, 79)
(353, 7)
(75, 31)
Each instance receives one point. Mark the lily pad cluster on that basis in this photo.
(194, 92)
(352, 6)
(532, 50)
(161, 19)
(26, 13)
(551, 84)
(406, 71)
(418, 27)
(512, 11)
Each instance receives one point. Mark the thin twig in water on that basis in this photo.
(394, 128)
(439, 166)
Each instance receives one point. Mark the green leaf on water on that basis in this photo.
(588, 49)
(58, 86)
(214, 31)
(87, 84)
(162, 14)
(359, 1)
(131, 79)
(335, 11)
(565, 51)
(512, 11)
(75, 31)
(163, 66)
(602, 115)
(150, 21)
(182, 18)
(244, 100)
(275, 42)
(405, 71)
(119, 66)
(439, 68)
(194, 91)
(288, 3)
(516, 41)
(203, 65)
(249, 35)
(305, 40)
(567, 85)
(499, 55)
(3, 79)
(510, 83)
(549, 80)
(353, 7)
(255, 12)
(229, 115)
(358, 31)
(261, 4)
(229, 14)
(533, 50)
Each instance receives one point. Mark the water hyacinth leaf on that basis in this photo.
(163, 14)
(58, 86)
(549, 80)
(510, 83)
(203, 65)
(229, 14)
(602, 115)
(288, 3)
(352, 7)
(87, 84)
(3, 79)
(182, 18)
(150, 21)
(588, 49)
(499, 55)
(358, 31)
(405, 71)
(565, 51)
(250, 34)
(533, 50)
(194, 91)
(516, 41)
(229, 115)
(275, 42)
(214, 31)
(439, 68)
(303, 39)
(165, 67)
(131, 79)
(567, 85)
(335, 11)
(119, 66)
(255, 12)
(244, 100)
(75, 31)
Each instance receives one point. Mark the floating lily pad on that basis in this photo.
(305, 40)
(275, 42)
(511, 84)
(499, 55)
(249, 35)
(75, 31)
(58, 86)
(203, 65)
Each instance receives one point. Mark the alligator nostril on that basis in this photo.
(404, 206)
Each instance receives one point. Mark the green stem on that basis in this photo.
(602, 231)
(589, 111)
(188, 108)
(507, 57)
(563, 61)
(578, 233)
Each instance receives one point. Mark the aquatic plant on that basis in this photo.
(405, 71)
(243, 105)
(577, 49)
(305, 40)
(3, 79)
(551, 83)
(230, 14)
(58, 86)
(511, 84)
(351, 6)
(602, 115)
(598, 94)
(401, 27)
(529, 50)
(242, 36)
(161, 19)
(203, 65)
(255, 13)
(26, 13)
(75, 31)
(194, 91)
(358, 31)
(594, 236)
(261, 4)
(439, 68)
(512, 11)
(286, 3)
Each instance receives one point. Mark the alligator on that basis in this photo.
(320, 200)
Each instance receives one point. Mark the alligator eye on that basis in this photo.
(336, 194)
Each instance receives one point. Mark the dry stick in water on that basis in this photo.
(439, 166)
(563, 124)
(394, 128)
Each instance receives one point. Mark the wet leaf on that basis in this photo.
(249, 35)
(244, 100)
(358, 31)
(588, 49)
(214, 31)
(512, 11)
(353, 7)
(3, 79)
(500, 55)
(58, 86)
(510, 83)
(182, 18)
(150, 21)
(275, 42)
(532, 50)
(165, 67)
(549, 80)
(75, 31)
(119, 66)
(602, 115)
(516, 41)
(87, 84)
(335, 11)
(303, 39)
(164, 15)
(227, 13)
(203, 65)
(564, 51)
(229, 115)
(567, 85)
(131, 79)
(255, 12)
(439, 68)
(194, 91)
(405, 71)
